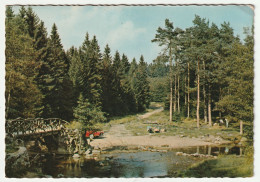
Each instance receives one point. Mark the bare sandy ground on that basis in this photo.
(118, 135)
(123, 138)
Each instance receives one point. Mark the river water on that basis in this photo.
(127, 164)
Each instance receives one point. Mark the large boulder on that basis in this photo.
(17, 162)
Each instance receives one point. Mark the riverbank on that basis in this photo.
(111, 139)
(225, 166)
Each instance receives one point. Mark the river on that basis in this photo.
(126, 164)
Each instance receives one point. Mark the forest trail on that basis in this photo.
(148, 114)
(119, 130)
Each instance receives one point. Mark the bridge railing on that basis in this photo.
(19, 126)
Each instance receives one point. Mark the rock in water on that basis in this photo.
(60, 176)
(76, 156)
(17, 162)
(88, 151)
(179, 153)
(96, 152)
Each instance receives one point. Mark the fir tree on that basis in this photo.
(23, 98)
(141, 87)
(87, 114)
(91, 82)
(58, 99)
(107, 86)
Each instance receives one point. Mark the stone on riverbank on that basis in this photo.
(179, 153)
(76, 156)
(17, 162)
(195, 155)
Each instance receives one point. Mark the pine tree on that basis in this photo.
(117, 90)
(125, 66)
(141, 87)
(129, 103)
(58, 97)
(107, 86)
(199, 32)
(236, 102)
(165, 37)
(87, 114)
(32, 22)
(91, 82)
(23, 98)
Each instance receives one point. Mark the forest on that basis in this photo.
(203, 72)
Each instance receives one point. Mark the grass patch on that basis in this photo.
(137, 127)
(224, 166)
(123, 120)
(186, 127)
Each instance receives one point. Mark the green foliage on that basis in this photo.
(91, 77)
(249, 131)
(141, 86)
(176, 117)
(159, 87)
(237, 102)
(225, 70)
(225, 166)
(57, 85)
(87, 114)
(23, 97)
(107, 85)
(158, 68)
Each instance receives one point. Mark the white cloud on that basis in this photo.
(105, 22)
(125, 32)
(95, 20)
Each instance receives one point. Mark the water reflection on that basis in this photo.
(133, 164)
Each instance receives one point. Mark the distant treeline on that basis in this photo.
(44, 80)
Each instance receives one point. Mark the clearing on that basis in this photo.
(132, 131)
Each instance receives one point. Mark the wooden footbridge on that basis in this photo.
(54, 128)
(28, 127)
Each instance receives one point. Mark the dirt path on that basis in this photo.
(118, 135)
(147, 115)
(118, 130)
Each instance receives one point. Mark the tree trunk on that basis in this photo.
(198, 150)
(220, 93)
(240, 151)
(188, 89)
(179, 109)
(198, 96)
(241, 127)
(209, 150)
(8, 100)
(209, 107)
(175, 92)
(204, 95)
(185, 87)
(7, 104)
(171, 83)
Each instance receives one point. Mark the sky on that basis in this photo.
(130, 29)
